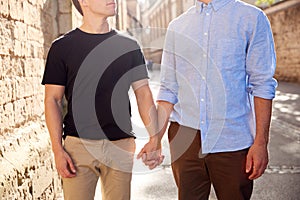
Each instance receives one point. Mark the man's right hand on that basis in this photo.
(53, 113)
(64, 164)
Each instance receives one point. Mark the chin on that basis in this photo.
(112, 14)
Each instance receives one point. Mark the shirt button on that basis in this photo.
(205, 34)
(202, 100)
(202, 122)
(207, 14)
(204, 55)
(203, 78)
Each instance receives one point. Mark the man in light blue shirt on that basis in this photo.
(216, 90)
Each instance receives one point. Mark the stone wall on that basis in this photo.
(285, 21)
(27, 28)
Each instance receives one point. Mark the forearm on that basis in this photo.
(164, 110)
(53, 114)
(147, 109)
(263, 111)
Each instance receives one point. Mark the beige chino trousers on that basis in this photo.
(111, 161)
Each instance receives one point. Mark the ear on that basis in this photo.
(83, 2)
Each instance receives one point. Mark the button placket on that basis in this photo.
(203, 88)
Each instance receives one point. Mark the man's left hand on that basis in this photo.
(257, 161)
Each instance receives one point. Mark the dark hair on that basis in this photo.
(77, 6)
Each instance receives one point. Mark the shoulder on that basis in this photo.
(121, 36)
(124, 41)
(183, 18)
(246, 15)
(64, 41)
(247, 10)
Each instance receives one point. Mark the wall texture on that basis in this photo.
(285, 21)
(27, 28)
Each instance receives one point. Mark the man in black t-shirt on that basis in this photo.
(93, 67)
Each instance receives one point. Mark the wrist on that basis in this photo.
(57, 149)
(154, 138)
(263, 143)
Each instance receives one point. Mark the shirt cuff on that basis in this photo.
(166, 95)
(265, 92)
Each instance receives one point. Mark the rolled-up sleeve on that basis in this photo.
(168, 83)
(261, 60)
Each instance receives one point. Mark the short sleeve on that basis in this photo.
(139, 69)
(55, 70)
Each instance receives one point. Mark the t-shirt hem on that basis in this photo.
(100, 137)
(53, 83)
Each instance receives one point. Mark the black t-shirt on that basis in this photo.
(97, 71)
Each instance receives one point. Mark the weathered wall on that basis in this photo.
(27, 28)
(285, 21)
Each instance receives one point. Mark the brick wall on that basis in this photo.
(27, 28)
(285, 21)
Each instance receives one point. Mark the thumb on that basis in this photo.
(140, 154)
(161, 159)
(249, 163)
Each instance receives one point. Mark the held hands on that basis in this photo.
(151, 153)
(64, 164)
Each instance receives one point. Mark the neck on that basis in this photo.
(205, 1)
(95, 25)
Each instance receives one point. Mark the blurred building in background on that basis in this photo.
(156, 16)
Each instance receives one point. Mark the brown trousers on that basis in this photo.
(194, 173)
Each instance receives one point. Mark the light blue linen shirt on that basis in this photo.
(216, 58)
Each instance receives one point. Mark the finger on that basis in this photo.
(71, 166)
(140, 153)
(155, 155)
(69, 175)
(259, 167)
(249, 163)
(253, 175)
(150, 162)
(161, 159)
(153, 165)
(61, 171)
(65, 173)
(156, 163)
(144, 157)
(257, 172)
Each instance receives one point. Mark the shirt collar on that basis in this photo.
(216, 4)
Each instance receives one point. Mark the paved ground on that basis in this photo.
(282, 178)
